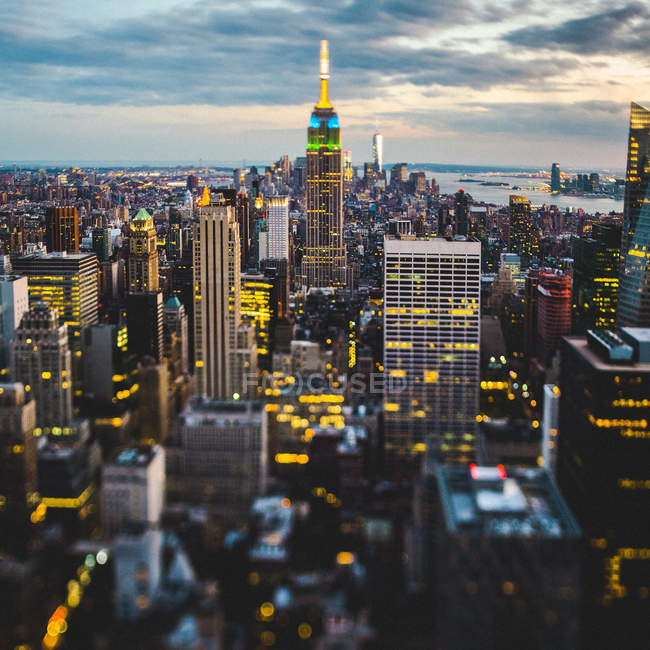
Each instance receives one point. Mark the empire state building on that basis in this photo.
(324, 257)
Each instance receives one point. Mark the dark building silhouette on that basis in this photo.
(596, 261)
(634, 293)
(62, 229)
(602, 468)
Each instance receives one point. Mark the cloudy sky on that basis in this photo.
(522, 82)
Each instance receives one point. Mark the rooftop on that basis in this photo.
(500, 502)
(136, 457)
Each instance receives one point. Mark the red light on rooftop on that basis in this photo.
(473, 471)
(502, 472)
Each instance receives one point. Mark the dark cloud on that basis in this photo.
(230, 54)
(622, 29)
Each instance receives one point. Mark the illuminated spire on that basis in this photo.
(205, 199)
(324, 101)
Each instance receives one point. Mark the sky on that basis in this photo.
(512, 82)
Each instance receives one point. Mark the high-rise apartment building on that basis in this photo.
(143, 254)
(596, 262)
(524, 239)
(555, 178)
(217, 301)
(14, 302)
(634, 291)
(41, 361)
(602, 468)
(431, 346)
(324, 257)
(278, 228)
(553, 312)
(62, 229)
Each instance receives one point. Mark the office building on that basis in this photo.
(398, 175)
(175, 335)
(506, 560)
(555, 178)
(602, 468)
(102, 354)
(634, 292)
(14, 302)
(19, 477)
(596, 270)
(67, 282)
(524, 238)
(553, 312)
(102, 243)
(257, 308)
(217, 303)
(143, 254)
(461, 213)
(133, 488)
(431, 347)
(378, 152)
(218, 456)
(144, 321)
(62, 229)
(324, 256)
(174, 242)
(278, 228)
(41, 361)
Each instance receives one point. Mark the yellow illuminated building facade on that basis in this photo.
(143, 254)
(524, 237)
(256, 308)
(217, 297)
(633, 308)
(431, 348)
(324, 258)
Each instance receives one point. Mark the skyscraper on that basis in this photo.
(102, 243)
(431, 347)
(143, 254)
(634, 295)
(553, 312)
(523, 236)
(461, 213)
(176, 335)
(18, 452)
(278, 228)
(14, 302)
(555, 178)
(378, 151)
(41, 361)
(596, 262)
(62, 229)
(324, 258)
(602, 468)
(144, 321)
(217, 296)
(65, 281)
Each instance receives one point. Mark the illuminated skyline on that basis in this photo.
(451, 82)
